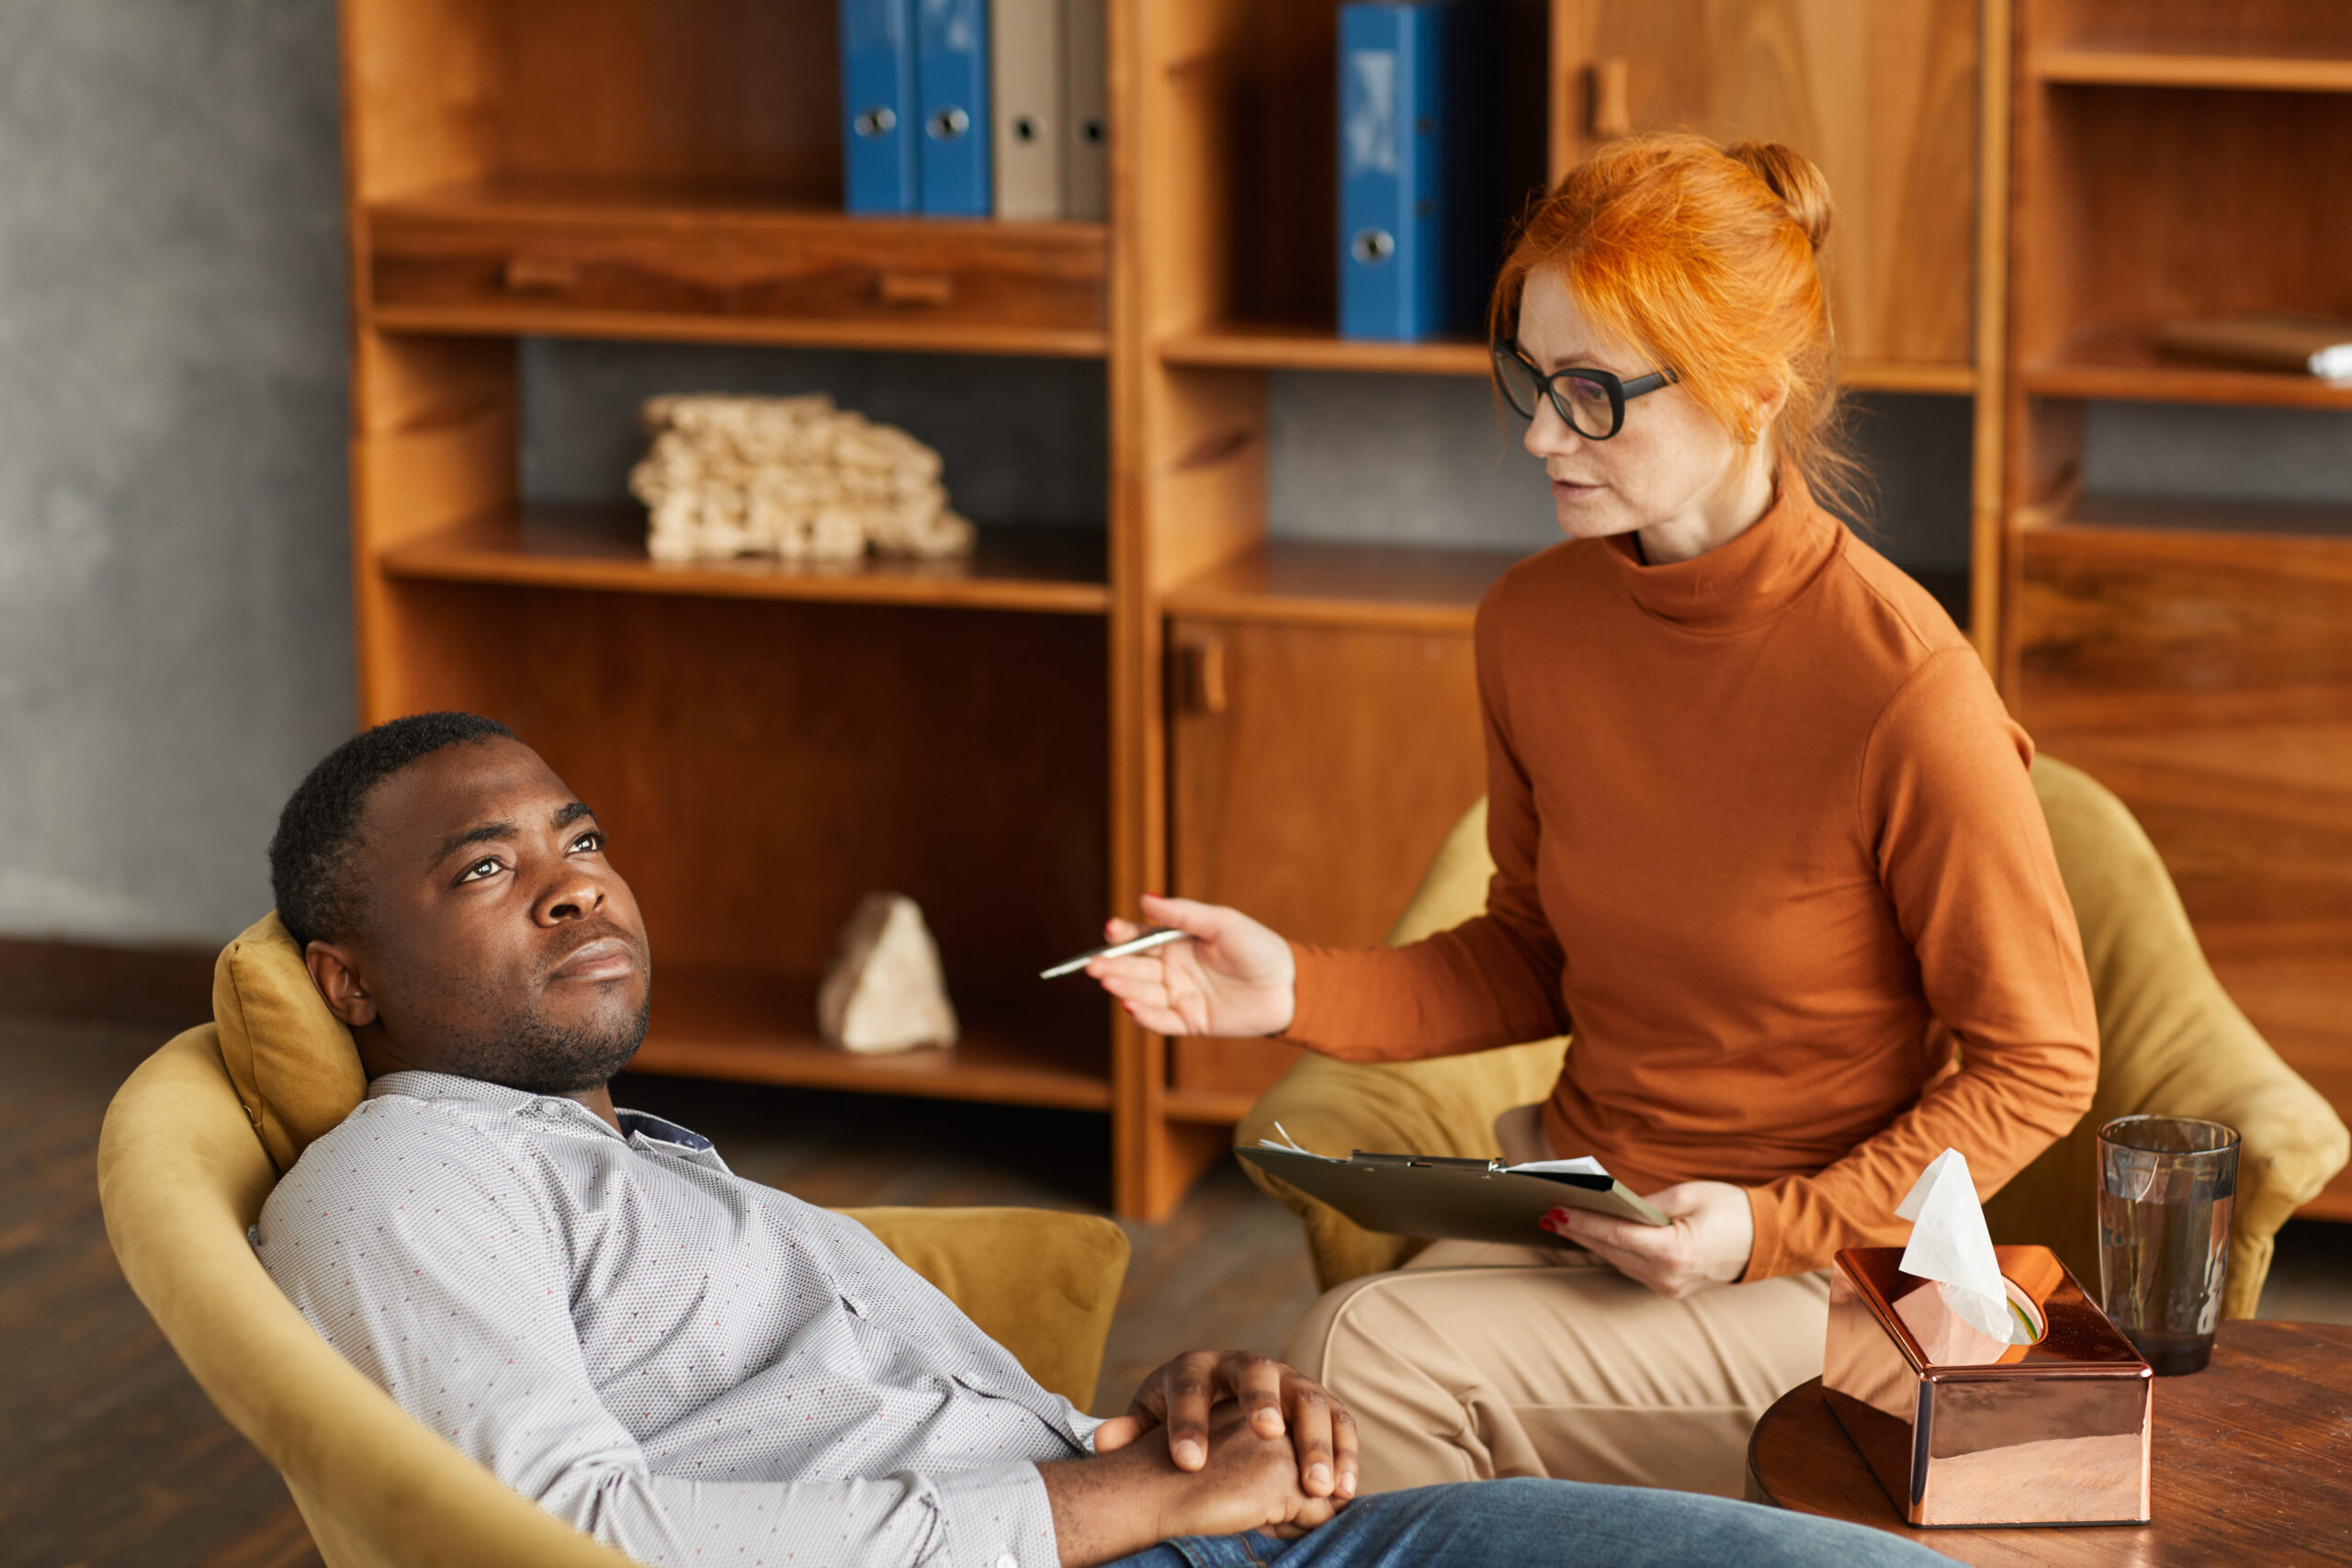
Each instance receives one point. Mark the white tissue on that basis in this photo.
(1951, 1246)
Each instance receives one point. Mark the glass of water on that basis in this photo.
(2168, 1185)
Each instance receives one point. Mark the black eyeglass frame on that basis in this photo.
(1621, 392)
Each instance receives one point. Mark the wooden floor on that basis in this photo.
(110, 1457)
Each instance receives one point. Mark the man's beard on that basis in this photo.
(538, 1057)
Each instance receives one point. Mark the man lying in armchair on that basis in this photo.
(697, 1368)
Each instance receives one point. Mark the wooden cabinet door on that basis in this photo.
(1314, 771)
(1880, 93)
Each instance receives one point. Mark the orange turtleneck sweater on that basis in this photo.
(1765, 841)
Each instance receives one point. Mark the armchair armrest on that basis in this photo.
(1041, 1283)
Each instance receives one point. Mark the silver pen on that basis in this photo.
(1157, 936)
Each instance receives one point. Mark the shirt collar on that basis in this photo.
(1744, 583)
(414, 1085)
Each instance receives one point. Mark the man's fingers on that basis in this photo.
(1310, 1440)
(1119, 1431)
(1343, 1452)
(1256, 1385)
(1191, 1386)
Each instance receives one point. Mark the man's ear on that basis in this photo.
(333, 970)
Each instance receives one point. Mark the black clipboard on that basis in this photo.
(1433, 1195)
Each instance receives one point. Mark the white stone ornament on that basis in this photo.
(792, 478)
(886, 990)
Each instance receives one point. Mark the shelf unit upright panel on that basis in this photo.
(767, 742)
(2172, 159)
(1889, 102)
(1225, 272)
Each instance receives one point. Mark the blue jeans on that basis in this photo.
(1563, 1523)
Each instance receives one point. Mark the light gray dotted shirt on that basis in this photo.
(688, 1366)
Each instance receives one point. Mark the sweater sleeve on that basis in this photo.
(1492, 980)
(1963, 854)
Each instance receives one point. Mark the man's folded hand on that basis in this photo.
(1133, 1495)
(1276, 1401)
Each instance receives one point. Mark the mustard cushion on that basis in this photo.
(297, 1072)
(1041, 1283)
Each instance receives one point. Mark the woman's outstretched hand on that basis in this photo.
(1233, 978)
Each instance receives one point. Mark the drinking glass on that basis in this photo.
(2168, 1185)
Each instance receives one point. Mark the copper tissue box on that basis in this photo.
(1961, 1430)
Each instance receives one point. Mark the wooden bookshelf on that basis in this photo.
(2237, 71)
(1299, 345)
(1296, 345)
(1029, 738)
(2122, 364)
(1300, 583)
(1049, 570)
(672, 260)
(2190, 654)
(755, 1028)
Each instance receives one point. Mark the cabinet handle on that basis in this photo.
(1612, 114)
(1201, 686)
(541, 274)
(914, 287)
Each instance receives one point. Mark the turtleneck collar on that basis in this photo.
(1748, 580)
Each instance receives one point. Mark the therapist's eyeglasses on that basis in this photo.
(1591, 401)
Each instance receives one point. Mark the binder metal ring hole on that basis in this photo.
(1093, 131)
(948, 124)
(1372, 246)
(1026, 128)
(877, 121)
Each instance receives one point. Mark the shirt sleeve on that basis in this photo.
(1963, 854)
(1492, 980)
(440, 1273)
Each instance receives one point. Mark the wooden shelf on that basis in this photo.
(2126, 367)
(697, 262)
(1052, 570)
(1895, 376)
(1300, 583)
(1292, 345)
(2138, 63)
(762, 1029)
(2165, 515)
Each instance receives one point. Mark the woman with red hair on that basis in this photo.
(1764, 842)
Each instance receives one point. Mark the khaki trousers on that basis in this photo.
(1474, 1361)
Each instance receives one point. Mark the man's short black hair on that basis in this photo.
(311, 852)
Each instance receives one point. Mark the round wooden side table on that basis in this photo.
(2251, 1463)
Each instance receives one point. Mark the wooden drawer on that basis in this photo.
(482, 264)
(1315, 771)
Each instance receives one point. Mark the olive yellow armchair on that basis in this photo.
(2171, 1042)
(192, 1145)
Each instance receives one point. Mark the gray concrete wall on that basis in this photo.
(175, 609)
